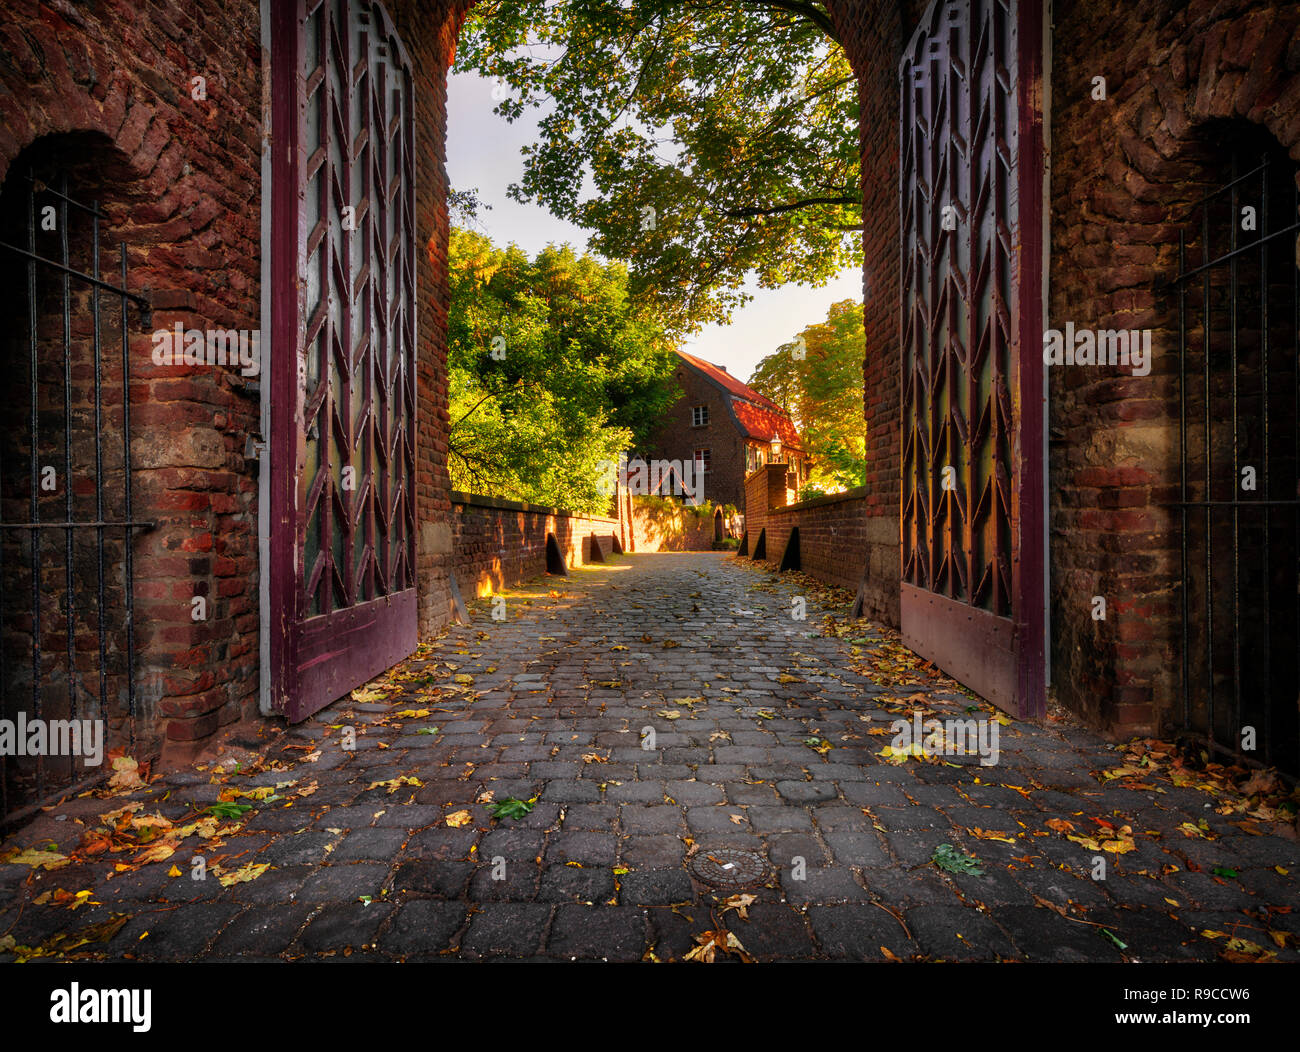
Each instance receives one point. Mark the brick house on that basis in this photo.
(186, 539)
(729, 428)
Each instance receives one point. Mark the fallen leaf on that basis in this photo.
(243, 874)
(740, 903)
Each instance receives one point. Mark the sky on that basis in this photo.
(483, 154)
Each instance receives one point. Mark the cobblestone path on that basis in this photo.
(390, 850)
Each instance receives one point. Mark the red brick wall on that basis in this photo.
(1125, 172)
(180, 181)
(429, 30)
(833, 540)
(499, 543)
(873, 34)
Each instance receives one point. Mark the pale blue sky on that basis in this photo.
(483, 153)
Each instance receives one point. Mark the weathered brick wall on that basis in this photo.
(179, 180)
(499, 543)
(429, 29)
(1125, 171)
(765, 489)
(834, 544)
(873, 35)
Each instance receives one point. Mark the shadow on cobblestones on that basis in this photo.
(649, 710)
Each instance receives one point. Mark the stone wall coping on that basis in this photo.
(833, 498)
(477, 500)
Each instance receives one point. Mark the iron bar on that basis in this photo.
(1182, 466)
(1209, 459)
(145, 306)
(1228, 256)
(1233, 325)
(70, 614)
(99, 473)
(129, 583)
(35, 481)
(1268, 531)
(139, 524)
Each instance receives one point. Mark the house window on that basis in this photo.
(699, 415)
(702, 459)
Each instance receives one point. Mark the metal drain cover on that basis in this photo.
(729, 868)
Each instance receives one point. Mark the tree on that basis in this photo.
(822, 392)
(552, 370)
(720, 137)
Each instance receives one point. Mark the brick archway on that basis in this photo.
(174, 171)
(1136, 161)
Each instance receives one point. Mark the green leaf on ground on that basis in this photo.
(512, 808)
(229, 810)
(951, 860)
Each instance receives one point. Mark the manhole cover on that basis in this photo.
(728, 868)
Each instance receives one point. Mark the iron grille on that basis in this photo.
(1239, 394)
(75, 521)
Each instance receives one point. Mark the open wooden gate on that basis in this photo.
(971, 189)
(342, 372)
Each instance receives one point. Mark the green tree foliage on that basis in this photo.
(552, 370)
(700, 141)
(822, 392)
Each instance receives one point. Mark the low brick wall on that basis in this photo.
(661, 527)
(498, 543)
(839, 542)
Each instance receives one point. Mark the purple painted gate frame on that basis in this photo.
(341, 547)
(972, 540)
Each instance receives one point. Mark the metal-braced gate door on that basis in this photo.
(67, 632)
(971, 185)
(342, 413)
(1238, 290)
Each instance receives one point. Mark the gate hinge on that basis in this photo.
(254, 447)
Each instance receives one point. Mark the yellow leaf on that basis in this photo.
(36, 859)
(986, 834)
(740, 903)
(174, 871)
(458, 819)
(393, 784)
(159, 851)
(126, 774)
(244, 874)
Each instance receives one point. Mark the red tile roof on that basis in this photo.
(760, 418)
(761, 424)
(733, 386)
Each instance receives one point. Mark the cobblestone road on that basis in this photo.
(550, 704)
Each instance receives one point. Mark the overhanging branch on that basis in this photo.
(772, 210)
